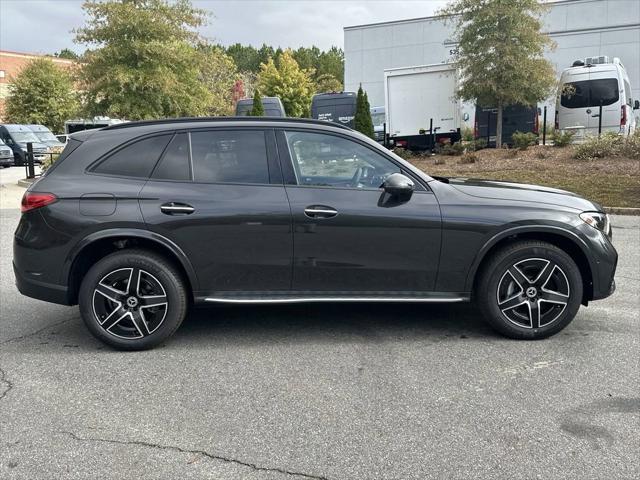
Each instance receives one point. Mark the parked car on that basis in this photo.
(378, 119)
(6, 155)
(136, 221)
(335, 107)
(587, 85)
(272, 107)
(63, 138)
(46, 137)
(81, 124)
(515, 118)
(17, 137)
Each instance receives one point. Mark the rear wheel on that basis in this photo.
(529, 290)
(132, 300)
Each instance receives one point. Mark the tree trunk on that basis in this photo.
(499, 127)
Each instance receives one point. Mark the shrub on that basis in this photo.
(403, 153)
(468, 158)
(453, 149)
(467, 134)
(631, 147)
(561, 139)
(480, 143)
(522, 141)
(610, 144)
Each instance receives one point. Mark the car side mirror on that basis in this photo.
(636, 105)
(398, 185)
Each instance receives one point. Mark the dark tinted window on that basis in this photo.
(174, 164)
(238, 156)
(590, 93)
(136, 159)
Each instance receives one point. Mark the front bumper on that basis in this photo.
(6, 161)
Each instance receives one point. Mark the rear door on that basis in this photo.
(218, 194)
(604, 89)
(350, 237)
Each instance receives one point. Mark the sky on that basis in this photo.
(44, 26)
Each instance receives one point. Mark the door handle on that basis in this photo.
(320, 211)
(173, 208)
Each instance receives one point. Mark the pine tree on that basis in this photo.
(362, 121)
(258, 109)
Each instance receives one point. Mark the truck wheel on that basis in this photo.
(529, 290)
(132, 299)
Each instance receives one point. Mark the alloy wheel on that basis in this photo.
(130, 303)
(533, 293)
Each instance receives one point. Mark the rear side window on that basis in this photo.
(229, 156)
(174, 164)
(590, 93)
(136, 159)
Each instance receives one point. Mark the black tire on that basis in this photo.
(509, 278)
(159, 306)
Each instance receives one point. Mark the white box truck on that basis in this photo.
(421, 108)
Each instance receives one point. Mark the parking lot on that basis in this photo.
(394, 391)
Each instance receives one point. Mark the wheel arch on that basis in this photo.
(99, 244)
(564, 239)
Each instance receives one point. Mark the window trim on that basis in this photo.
(288, 169)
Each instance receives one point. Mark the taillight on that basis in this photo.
(623, 116)
(536, 122)
(557, 121)
(476, 133)
(33, 200)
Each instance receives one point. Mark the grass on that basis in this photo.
(612, 182)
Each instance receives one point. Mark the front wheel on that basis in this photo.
(529, 290)
(132, 299)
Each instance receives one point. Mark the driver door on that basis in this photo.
(350, 237)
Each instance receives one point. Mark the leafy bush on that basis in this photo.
(403, 153)
(467, 134)
(453, 149)
(480, 143)
(561, 139)
(631, 147)
(522, 141)
(610, 144)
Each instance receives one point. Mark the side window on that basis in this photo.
(174, 164)
(136, 159)
(229, 156)
(332, 161)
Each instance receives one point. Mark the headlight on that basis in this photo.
(597, 220)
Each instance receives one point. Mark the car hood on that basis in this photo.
(522, 192)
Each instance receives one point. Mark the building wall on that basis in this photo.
(10, 65)
(580, 28)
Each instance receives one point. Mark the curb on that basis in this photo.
(26, 182)
(622, 210)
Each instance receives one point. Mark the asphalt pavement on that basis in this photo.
(322, 391)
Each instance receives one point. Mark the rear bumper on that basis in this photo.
(41, 290)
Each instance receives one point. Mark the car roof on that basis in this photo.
(14, 127)
(231, 121)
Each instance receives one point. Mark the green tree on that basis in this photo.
(328, 83)
(67, 53)
(362, 121)
(257, 110)
(285, 79)
(500, 53)
(144, 62)
(42, 93)
(219, 74)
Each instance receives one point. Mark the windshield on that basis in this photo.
(590, 93)
(377, 119)
(24, 137)
(46, 136)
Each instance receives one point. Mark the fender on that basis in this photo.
(526, 229)
(135, 233)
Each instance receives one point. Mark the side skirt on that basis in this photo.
(308, 297)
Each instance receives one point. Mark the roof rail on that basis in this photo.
(142, 123)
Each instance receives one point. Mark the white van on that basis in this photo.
(584, 87)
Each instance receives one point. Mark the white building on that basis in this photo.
(580, 28)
